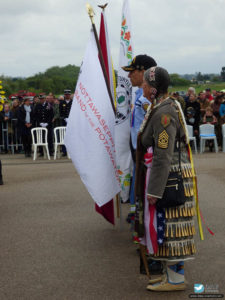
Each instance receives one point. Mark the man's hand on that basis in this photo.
(152, 200)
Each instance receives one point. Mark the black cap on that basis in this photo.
(190, 110)
(140, 62)
(67, 92)
(41, 96)
(208, 90)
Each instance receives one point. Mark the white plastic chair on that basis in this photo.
(59, 135)
(39, 138)
(192, 137)
(207, 132)
(223, 135)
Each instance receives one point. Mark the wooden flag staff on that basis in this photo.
(91, 15)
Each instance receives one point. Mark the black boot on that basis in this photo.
(155, 267)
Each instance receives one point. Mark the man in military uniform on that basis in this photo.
(158, 156)
(43, 114)
(64, 111)
(64, 107)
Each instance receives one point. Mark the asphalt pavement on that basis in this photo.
(53, 245)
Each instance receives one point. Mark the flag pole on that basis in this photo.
(118, 204)
(91, 15)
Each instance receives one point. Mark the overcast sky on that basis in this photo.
(184, 36)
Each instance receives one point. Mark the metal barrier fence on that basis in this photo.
(9, 136)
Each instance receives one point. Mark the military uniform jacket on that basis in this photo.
(161, 133)
(43, 113)
(64, 109)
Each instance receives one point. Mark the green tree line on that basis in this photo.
(54, 80)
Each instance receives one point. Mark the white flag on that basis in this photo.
(90, 130)
(124, 99)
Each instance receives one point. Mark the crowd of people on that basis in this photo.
(19, 115)
(208, 107)
(18, 118)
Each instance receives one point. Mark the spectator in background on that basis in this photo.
(15, 131)
(192, 114)
(65, 106)
(43, 114)
(15, 108)
(208, 94)
(50, 99)
(214, 94)
(190, 91)
(180, 100)
(216, 106)
(20, 98)
(220, 93)
(12, 98)
(64, 111)
(25, 123)
(222, 112)
(216, 111)
(209, 117)
(56, 118)
(7, 126)
(61, 98)
(35, 100)
(204, 103)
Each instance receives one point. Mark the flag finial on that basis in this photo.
(90, 12)
(103, 6)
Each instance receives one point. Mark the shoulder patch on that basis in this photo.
(165, 120)
(145, 106)
(163, 140)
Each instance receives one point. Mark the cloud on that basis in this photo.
(183, 36)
